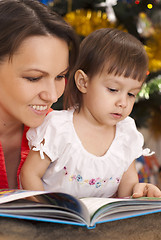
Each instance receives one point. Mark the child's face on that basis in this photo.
(109, 99)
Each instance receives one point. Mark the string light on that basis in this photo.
(150, 6)
(137, 2)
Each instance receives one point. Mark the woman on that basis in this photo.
(34, 60)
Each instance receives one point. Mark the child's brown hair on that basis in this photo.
(118, 52)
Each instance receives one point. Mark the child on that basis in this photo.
(89, 149)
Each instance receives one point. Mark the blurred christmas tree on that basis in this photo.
(141, 18)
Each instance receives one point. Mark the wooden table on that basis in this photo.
(146, 227)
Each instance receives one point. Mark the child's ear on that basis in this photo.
(81, 80)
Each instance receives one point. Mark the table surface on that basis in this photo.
(146, 227)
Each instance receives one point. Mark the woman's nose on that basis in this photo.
(49, 93)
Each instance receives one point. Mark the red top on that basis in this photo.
(24, 153)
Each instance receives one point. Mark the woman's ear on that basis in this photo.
(81, 80)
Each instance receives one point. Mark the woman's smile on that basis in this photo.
(40, 109)
(36, 81)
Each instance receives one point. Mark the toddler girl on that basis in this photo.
(90, 148)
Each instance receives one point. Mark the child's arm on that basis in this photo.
(128, 181)
(130, 185)
(33, 170)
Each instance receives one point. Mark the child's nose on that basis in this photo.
(122, 102)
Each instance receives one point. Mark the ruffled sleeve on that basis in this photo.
(130, 141)
(45, 137)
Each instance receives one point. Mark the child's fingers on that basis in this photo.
(153, 191)
(139, 190)
(145, 189)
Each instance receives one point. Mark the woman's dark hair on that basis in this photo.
(116, 52)
(20, 19)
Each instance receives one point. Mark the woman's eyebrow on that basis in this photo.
(66, 70)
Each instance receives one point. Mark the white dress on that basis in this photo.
(75, 171)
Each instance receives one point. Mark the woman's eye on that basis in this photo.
(33, 79)
(60, 77)
(112, 90)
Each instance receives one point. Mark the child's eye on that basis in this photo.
(131, 95)
(33, 79)
(112, 90)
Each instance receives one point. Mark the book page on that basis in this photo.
(102, 209)
(49, 202)
(93, 203)
(14, 194)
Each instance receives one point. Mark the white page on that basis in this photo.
(94, 203)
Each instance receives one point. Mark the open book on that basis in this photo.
(66, 209)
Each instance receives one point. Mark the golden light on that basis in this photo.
(150, 6)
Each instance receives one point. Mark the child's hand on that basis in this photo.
(145, 190)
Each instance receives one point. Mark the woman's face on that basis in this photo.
(33, 79)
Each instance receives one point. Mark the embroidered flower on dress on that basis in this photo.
(96, 182)
(92, 181)
(79, 178)
(118, 180)
(65, 169)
